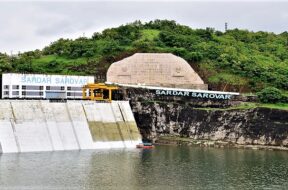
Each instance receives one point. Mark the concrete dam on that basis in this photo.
(40, 125)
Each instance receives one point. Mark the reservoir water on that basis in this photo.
(165, 167)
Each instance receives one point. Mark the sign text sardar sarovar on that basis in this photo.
(194, 94)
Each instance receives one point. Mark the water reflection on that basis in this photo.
(165, 167)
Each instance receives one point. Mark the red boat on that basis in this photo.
(145, 145)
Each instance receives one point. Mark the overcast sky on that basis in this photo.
(29, 25)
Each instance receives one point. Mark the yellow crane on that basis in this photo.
(98, 91)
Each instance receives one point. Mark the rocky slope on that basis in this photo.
(260, 126)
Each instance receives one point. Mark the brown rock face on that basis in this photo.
(259, 126)
(155, 69)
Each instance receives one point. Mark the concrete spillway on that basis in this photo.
(39, 125)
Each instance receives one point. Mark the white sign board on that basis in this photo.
(45, 80)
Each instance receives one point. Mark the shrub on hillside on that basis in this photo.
(270, 95)
(194, 56)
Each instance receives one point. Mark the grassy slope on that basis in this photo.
(149, 34)
(221, 78)
(57, 65)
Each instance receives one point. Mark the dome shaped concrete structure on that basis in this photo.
(155, 69)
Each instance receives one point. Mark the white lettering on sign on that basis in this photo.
(194, 94)
(66, 80)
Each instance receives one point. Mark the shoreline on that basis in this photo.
(182, 141)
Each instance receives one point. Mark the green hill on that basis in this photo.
(235, 60)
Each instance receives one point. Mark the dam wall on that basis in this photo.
(40, 125)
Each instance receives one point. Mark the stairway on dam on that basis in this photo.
(40, 125)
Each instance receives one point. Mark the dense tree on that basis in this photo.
(270, 95)
(5, 64)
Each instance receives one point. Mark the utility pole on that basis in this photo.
(226, 26)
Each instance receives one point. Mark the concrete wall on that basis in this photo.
(155, 69)
(38, 125)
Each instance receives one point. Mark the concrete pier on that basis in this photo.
(40, 125)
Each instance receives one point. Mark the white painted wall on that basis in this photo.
(30, 126)
(80, 125)
(38, 125)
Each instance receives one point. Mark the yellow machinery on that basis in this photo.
(98, 91)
